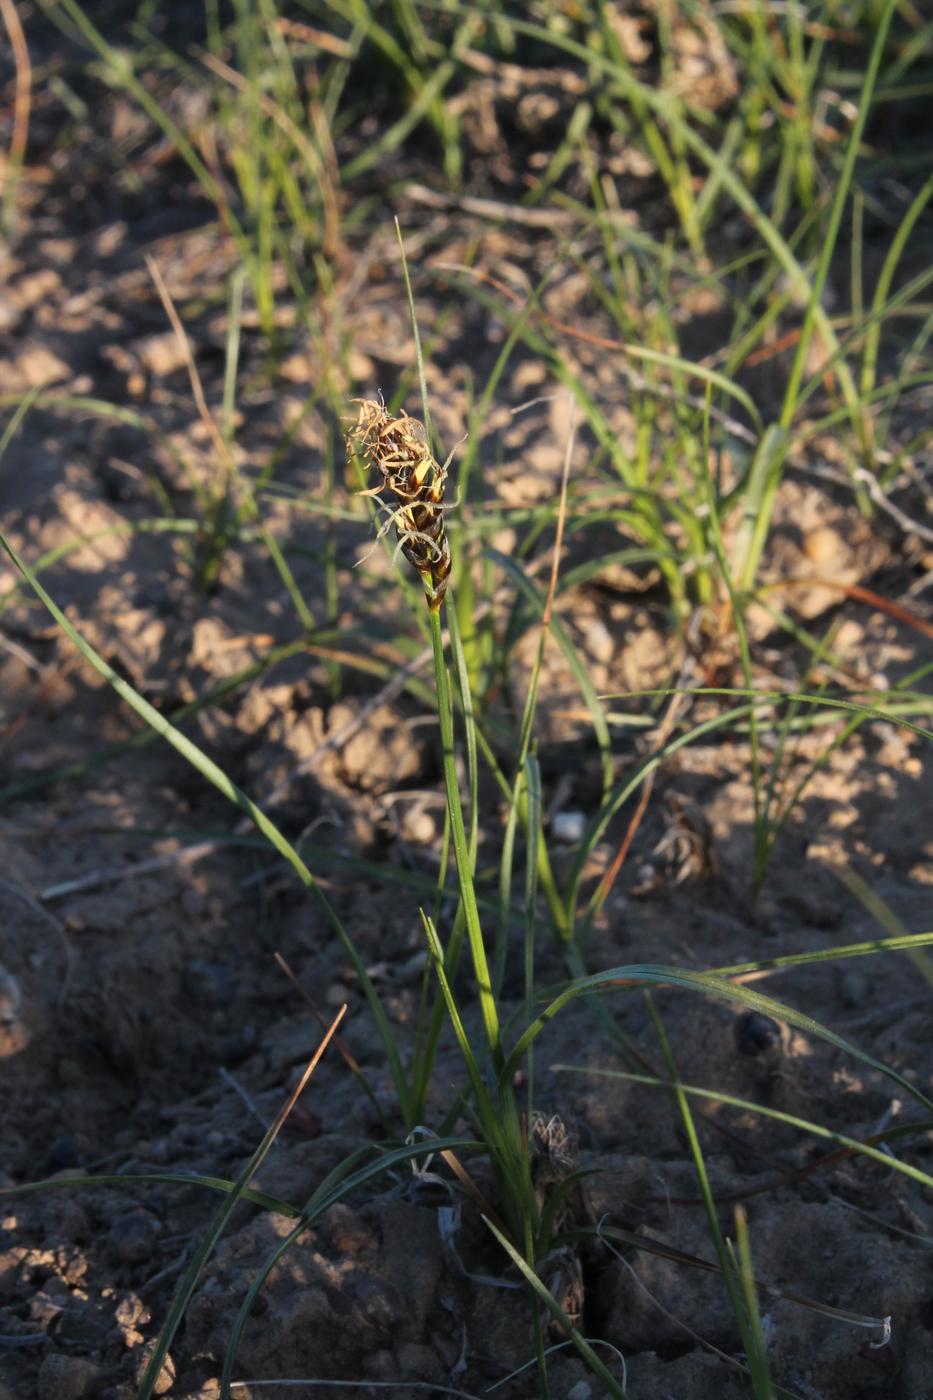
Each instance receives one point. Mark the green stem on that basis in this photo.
(461, 848)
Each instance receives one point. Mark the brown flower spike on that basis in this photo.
(398, 449)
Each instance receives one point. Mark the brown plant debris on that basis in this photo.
(398, 449)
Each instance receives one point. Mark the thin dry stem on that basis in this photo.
(22, 102)
(207, 418)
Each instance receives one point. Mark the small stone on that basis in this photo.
(419, 827)
(109, 238)
(166, 1376)
(568, 827)
(10, 314)
(133, 1237)
(599, 643)
(297, 369)
(63, 251)
(239, 1045)
(162, 354)
(416, 1361)
(73, 1222)
(822, 545)
(362, 369)
(581, 1391)
(754, 1033)
(36, 287)
(66, 1152)
(854, 988)
(37, 366)
(381, 1365)
(66, 1377)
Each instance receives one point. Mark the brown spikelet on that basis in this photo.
(398, 449)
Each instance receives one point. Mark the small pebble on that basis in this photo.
(66, 1377)
(37, 366)
(133, 1237)
(66, 1151)
(599, 643)
(568, 827)
(37, 286)
(419, 826)
(10, 314)
(755, 1033)
(822, 545)
(854, 988)
(239, 1045)
(162, 354)
(73, 1222)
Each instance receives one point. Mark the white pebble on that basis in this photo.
(599, 641)
(568, 826)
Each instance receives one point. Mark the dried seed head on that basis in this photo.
(398, 449)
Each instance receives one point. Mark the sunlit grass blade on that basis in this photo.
(898, 943)
(832, 702)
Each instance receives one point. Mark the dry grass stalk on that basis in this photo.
(398, 449)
